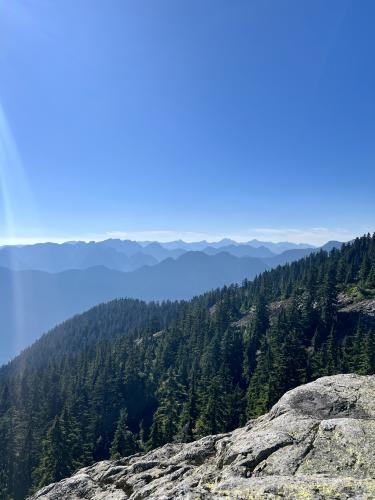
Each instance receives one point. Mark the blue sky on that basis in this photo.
(187, 118)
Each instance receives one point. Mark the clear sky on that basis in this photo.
(190, 118)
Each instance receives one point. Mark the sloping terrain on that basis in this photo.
(47, 299)
(128, 377)
(317, 442)
(51, 282)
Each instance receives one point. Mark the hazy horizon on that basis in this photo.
(177, 182)
(168, 237)
(189, 120)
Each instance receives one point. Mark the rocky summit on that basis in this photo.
(317, 442)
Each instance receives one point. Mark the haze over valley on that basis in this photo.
(187, 249)
(52, 282)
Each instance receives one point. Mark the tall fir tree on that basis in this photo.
(56, 462)
(124, 443)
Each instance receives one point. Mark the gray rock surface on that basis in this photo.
(366, 307)
(346, 304)
(317, 442)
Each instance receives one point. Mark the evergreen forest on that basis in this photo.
(127, 376)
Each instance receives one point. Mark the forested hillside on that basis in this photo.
(128, 376)
(47, 299)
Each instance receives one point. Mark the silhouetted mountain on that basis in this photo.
(330, 245)
(241, 251)
(223, 243)
(152, 248)
(280, 246)
(127, 247)
(299, 253)
(158, 252)
(193, 246)
(121, 255)
(196, 245)
(288, 256)
(275, 248)
(46, 299)
(53, 257)
(192, 273)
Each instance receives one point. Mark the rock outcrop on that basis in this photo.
(346, 304)
(365, 307)
(317, 442)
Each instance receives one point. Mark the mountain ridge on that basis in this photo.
(150, 374)
(122, 255)
(72, 291)
(50, 298)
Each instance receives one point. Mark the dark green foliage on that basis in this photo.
(171, 395)
(56, 462)
(128, 375)
(124, 443)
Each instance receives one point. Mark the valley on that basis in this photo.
(129, 376)
(52, 282)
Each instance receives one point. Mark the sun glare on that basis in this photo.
(15, 193)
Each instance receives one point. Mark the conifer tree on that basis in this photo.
(124, 442)
(257, 399)
(370, 352)
(188, 416)
(156, 435)
(214, 411)
(166, 418)
(253, 336)
(56, 460)
(370, 281)
(182, 369)
(329, 297)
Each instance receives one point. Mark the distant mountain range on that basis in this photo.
(46, 299)
(125, 255)
(201, 245)
(50, 283)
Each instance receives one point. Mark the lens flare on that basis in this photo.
(16, 203)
